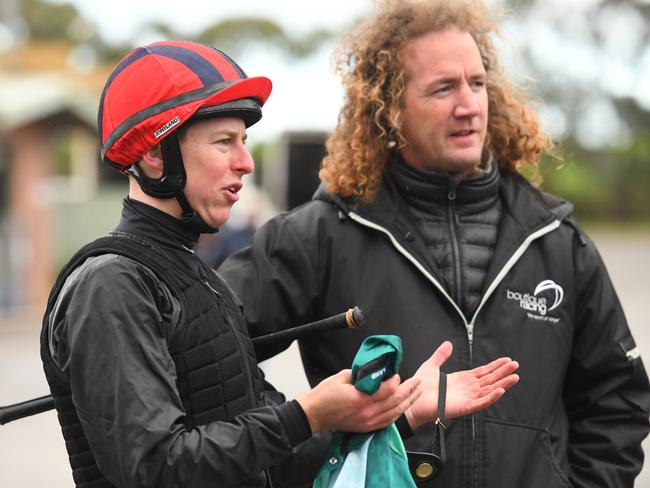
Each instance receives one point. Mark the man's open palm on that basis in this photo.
(467, 391)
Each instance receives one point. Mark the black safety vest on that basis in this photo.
(206, 336)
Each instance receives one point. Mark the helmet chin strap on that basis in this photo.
(173, 159)
(191, 218)
(171, 184)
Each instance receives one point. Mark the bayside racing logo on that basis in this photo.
(538, 304)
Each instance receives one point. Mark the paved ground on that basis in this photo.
(32, 452)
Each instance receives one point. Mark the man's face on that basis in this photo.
(215, 158)
(445, 113)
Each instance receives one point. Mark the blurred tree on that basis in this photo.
(237, 35)
(59, 23)
(48, 21)
(62, 21)
(609, 184)
(592, 62)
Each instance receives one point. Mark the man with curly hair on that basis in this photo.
(425, 222)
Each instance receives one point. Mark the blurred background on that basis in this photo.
(586, 64)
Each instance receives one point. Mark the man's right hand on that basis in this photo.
(335, 403)
(468, 391)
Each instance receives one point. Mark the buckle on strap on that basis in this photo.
(425, 466)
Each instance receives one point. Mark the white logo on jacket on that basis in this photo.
(537, 307)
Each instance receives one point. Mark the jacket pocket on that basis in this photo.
(518, 455)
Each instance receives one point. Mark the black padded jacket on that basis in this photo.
(117, 333)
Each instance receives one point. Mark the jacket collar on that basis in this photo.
(155, 225)
(431, 191)
(526, 210)
(529, 207)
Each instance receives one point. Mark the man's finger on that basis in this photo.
(485, 401)
(440, 356)
(503, 371)
(486, 369)
(387, 389)
(345, 375)
(393, 407)
(505, 383)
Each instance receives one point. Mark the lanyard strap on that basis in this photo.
(442, 396)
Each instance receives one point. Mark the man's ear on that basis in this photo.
(152, 162)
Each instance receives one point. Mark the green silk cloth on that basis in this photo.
(373, 459)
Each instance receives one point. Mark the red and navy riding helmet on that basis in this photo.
(156, 89)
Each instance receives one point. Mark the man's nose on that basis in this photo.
(467, 103)
(243, 162)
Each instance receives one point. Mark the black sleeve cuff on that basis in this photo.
(404, 428)
(294, 421)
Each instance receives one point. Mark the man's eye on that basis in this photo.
(224, 142)
(477, 85)
(442, 90)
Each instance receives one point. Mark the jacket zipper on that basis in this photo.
(240, 342)
(251, 397)
(453, 234)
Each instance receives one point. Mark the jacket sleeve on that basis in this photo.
(277, 280)
(109, 331)
(301, 468)
(606, 393)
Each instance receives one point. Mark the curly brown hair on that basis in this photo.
(370, 63)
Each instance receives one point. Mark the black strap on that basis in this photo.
(172, 180)
(425, 466)
(442, 396)
(172, 183)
